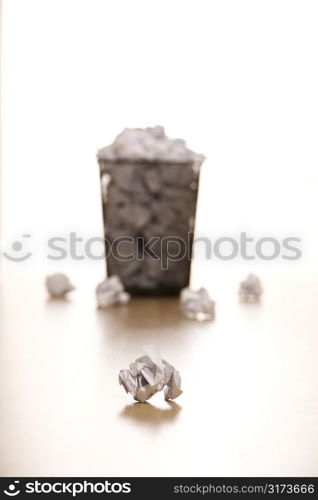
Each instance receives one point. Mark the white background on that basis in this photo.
(237, 79)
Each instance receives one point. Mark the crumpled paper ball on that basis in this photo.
(150, 374)
(111, 291)
(250, 289)
(197, 304)
(58, 285)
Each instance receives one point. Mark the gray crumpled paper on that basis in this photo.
(148, 144)
(150, 374)
(197, 304)
(111, 291)
(250, 289)
(58, 285)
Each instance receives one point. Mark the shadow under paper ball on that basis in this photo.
(146, 413)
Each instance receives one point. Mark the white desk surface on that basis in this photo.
(250, 402)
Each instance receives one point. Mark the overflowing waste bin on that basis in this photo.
(149, 194)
